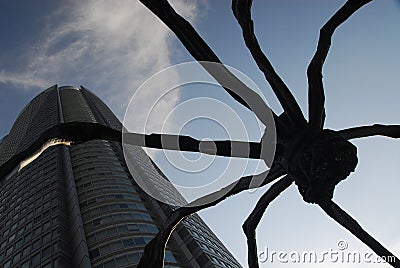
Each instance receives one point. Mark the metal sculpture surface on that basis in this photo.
(314, 158)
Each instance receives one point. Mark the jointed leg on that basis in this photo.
(153, 255)
(316, 96)
(250, 225)
(78, 132)
(83, 131)
(391, 131)
(244, 183)
(199, 49)
(344, 219)
(242, 12)
(185, 143)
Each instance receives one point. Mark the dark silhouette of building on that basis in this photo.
(78, 206)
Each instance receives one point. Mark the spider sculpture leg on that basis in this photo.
(83, 131)
(344, 219)
(250, 225)
(317, 116)
(153, 255)
(185, 143)
(75, 132)
(316, 96)
(391, 131)
(241, 10)
(199, 49)
(79, 132)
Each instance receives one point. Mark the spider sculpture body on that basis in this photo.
(314, 158)
(317, 161)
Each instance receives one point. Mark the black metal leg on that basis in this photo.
(344, 219)
(199, 49)
(250, 225)
(185, 143)
(242, 12)
(316, 95)
(153, 255)
(391, 131)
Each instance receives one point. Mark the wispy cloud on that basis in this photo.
(108, 46)
(21, 79)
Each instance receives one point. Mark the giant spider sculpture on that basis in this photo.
(314, 158)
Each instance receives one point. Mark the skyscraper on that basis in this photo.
(78, 206)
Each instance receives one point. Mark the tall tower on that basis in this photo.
(78, 206)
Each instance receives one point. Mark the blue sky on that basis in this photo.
(112, 48)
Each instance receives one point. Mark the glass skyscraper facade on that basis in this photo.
(78, 205)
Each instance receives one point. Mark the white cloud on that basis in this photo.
(23, 80)
(109, 46)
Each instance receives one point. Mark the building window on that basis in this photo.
(109, 264)
(122, 261)
(36, 259)
(94, 253)
(7, 264)
(46, 252)
(26, 251)
(36, 245)
(169, 257)
(10, 250)
(17, 258)
(46, 238)
(128, 242)
(139, 241)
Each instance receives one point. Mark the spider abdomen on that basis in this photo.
(320, 163)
